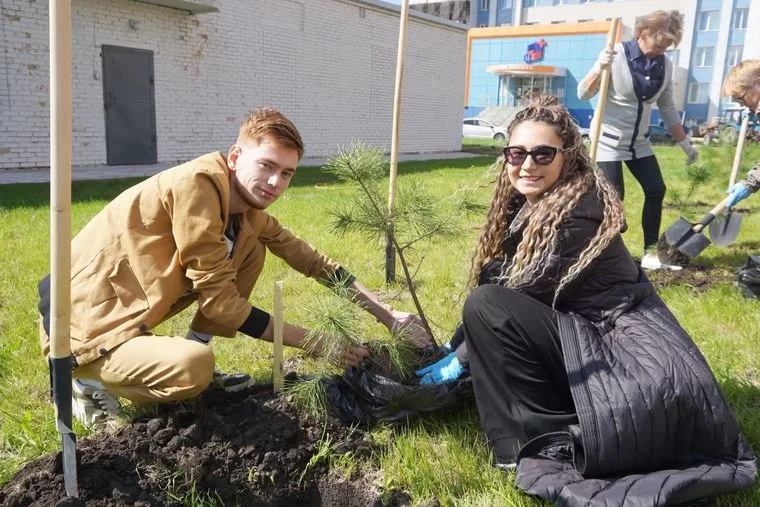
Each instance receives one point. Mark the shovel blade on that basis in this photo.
(681, 242)
(694, 245)
(60, 383)
(725, 228)
(70, 481)
(679, 232)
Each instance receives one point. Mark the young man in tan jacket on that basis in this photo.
(196, 232)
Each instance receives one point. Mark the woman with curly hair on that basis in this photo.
(579, 370)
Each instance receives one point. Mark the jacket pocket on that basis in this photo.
(114, 300)
(127, 288)
(610, 136)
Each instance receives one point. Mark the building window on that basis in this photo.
(485, 5)
(505, 4)
(703, 57)
(708, 21)
(698, 93)
(529, 3)
(740, 19)
(734, 55)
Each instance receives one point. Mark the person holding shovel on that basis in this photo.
(641, 76)
(742, 83)
(584, 380)
(197, 232)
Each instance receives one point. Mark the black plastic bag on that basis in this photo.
(749, 277)
(359, 396)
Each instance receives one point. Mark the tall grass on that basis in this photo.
(441, 456)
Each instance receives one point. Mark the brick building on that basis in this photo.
(166, 80)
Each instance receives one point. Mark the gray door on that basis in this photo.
(129, 105)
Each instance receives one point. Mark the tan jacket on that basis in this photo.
(159, 246)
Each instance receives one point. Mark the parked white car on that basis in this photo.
(475, 127)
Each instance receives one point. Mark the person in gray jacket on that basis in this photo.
(641, 76)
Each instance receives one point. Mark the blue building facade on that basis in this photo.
(502, 72)
(718, 34)
(720, 29)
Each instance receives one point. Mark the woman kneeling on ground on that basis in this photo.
(579, 369)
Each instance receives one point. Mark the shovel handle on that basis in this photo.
(738, 152)
(604, 86)
(710, 216)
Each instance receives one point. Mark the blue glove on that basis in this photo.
(737, 192)
(447, 369)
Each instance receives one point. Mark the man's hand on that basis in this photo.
(447, 369)
(738, 192)
(410, 327)
(691, 152)
(341, 357)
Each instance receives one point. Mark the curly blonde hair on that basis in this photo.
(741, 78)
(543, 219)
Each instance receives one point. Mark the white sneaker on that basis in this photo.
(652, 261)
(231, 382)
(92, 404)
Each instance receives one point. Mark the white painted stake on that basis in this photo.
(278, 324)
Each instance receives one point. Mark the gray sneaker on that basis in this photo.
(231, 382)
(92, 404)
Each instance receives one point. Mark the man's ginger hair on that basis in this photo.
(741, 78)
(661, 25)
(268, 124)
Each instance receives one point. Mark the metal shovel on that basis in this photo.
(725, 229)
(60, 234)
(685, 240)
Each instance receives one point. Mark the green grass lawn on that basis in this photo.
(441, 457)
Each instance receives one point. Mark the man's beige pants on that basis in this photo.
(150, 368)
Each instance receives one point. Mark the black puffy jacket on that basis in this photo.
(654, 427)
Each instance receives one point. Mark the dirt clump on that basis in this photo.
(700, 278)
(248, 448)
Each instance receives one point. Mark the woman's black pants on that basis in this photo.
(518, 373)
(647, 172)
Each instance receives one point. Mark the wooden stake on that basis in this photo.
(603, 90)
(278, 324)
(390, 253)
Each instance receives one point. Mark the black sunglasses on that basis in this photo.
(542, 155)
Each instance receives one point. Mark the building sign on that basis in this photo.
(521, 69)
(535, 51)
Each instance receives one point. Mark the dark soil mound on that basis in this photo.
(699, 278)
(247, 448)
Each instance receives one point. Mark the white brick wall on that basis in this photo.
(329, 65)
